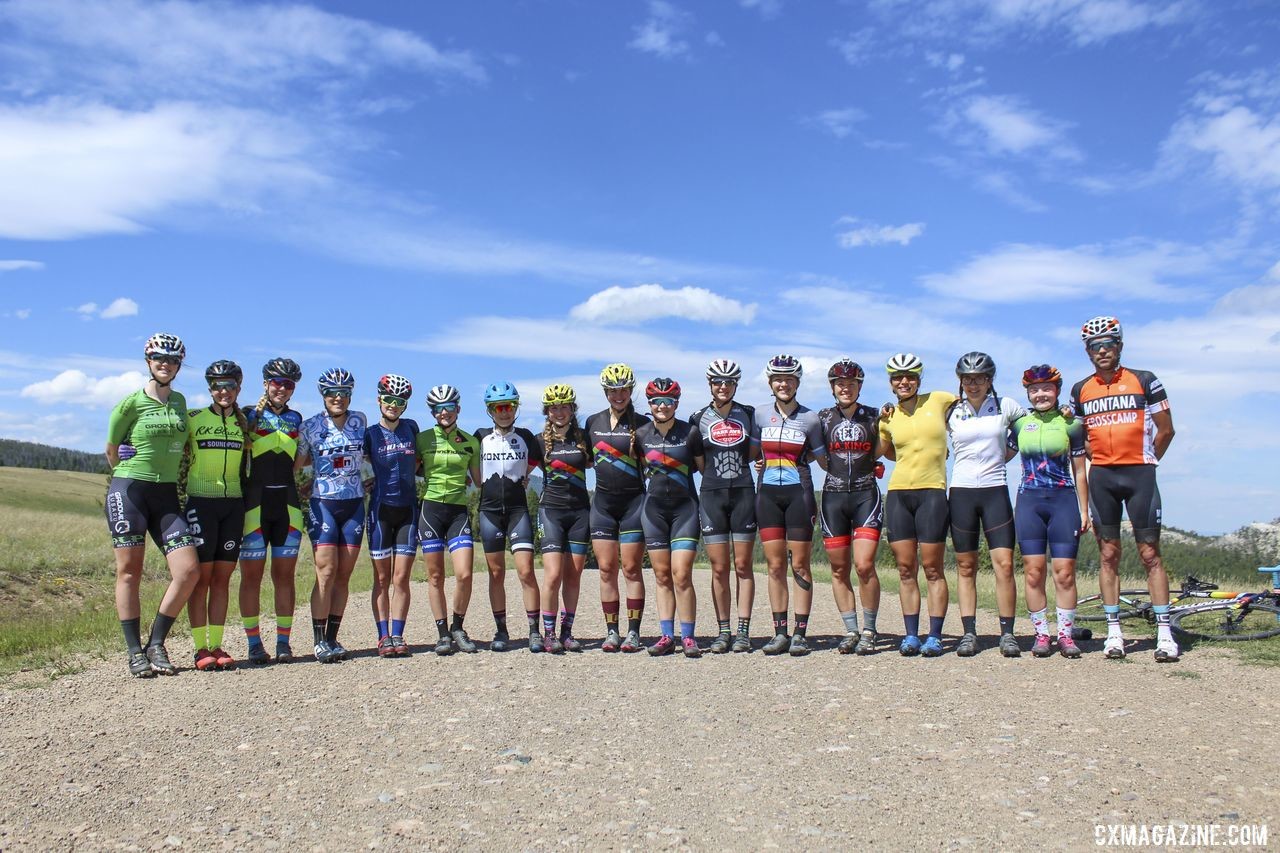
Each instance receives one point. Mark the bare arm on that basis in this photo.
(1080, 468)
(1164, 431)
(113, 455)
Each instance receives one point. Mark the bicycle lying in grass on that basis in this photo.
(1224, 616)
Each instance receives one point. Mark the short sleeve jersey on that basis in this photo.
(1047, 442)
(784, 442)
(1118, 416)
(853, 444)
(668, 460)
(273, 444)
(505, 463)
(979, 439)
(216, 444)
(613, 453)
(393, 454)
(727, 441)
(564, 469)
(919, 443)
(446, 459)
(337, 455)
(157, 431)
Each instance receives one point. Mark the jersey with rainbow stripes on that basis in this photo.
(614, 453)
(668, 460)
(784, 441)
(564, 471)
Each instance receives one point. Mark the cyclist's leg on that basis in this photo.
(931, 528)
(801, 515)
(631, 556)
(1105, 507)
(771, 515)
(493, 539)
(900, 519)
(867, 521)
(1144, 513)
(382, 556)
(997, 523)
(684, 547)
(964, 507)
(520, 537)
(604, 543)
(742, 535)
(837, 538)
(716, 535)
(461, 557)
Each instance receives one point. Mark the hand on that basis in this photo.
(1086, 524)
(886, 411)
(127, 451)
(1068, 412)
(879, 470)
(759, 465)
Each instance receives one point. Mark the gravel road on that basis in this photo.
(516, 751)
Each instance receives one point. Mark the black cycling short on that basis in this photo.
(1134, 486)
(564, 530)
(728, 515)
(919, 514)
(785, 512)
(393, 530)
(502, 527)
(441, 524)
(670, 527)
(272, 517)
(986, 508)
(617, 517)
(1048, 520)
(216, 526)
(851, 515)
(138, 507)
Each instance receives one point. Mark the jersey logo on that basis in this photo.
(1032, 427)
(727, 432)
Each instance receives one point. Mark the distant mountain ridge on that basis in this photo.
(28, 454)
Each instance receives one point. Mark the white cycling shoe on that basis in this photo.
(1167, 651)
(1113, 648)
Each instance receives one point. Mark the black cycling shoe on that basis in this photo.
(444, 646)
(500, 643)
(140, 667)
(968, 646)
(159, 659)
(535, 643)
(848, 644)
(721, 644)
(779, 644)
(258, 655)
(741, 643)
(799, 646)
(284, 654)
(463, 642)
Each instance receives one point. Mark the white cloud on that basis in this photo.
(1004, 186)
(22, 313)
(68, 430)
(12, 266)
(839, 123)
(1084, 22)
(1234, 126)
(1007, 126)
(77, 387)
(766, 8)
(627, 306)
(856, 47)
(122, 307)
(952, 62)
(88, 309)
(870, 234)
(661, 33)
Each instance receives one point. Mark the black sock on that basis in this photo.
(969, 624)
(132, 634)
(442, 625)
(802, 623)
(724, 625)
(318, 629)
(331, 630)
(457, 622)
(1006, 624)
(160, 629)
(780, 622)
(744, 626)
(500, 619)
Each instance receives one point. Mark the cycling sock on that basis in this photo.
(160, 629)
(284, 628)
(1113, 620)
(132, 634)
(442, 625)
(969, 624)
(383, 629)
(215, 635)
(635, 610)
(1066, 622)
(251, 632)
(500, 621)
(610, 616)
(802, 624)
(723, 625)
(911, 624)
(744, 626)
(850, 620)
(548, 622)
(532, 617)
(200, 636)
(686, 630)
(331, 629)
(1040, 621)
(317, 629)
(1161, 612)
(869, 619)
(456, 625)
(1006, 624)
(935, 626)
(780, 622)
(566, 623)
(397, 627)
(667, 627)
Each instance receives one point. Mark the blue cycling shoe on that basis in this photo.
(932, 647)
(910, 646)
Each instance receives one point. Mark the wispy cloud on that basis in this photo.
(856, 47)
(863, 233)
(122, 307)
(1005, 125)
(13, 266)
(76, 386)
(766, 8)
(662, 33)
(627, 306)
(839, 123)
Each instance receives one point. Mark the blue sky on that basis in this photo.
(468, 193)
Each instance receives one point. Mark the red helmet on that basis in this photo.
(845, 369)
(662, 387)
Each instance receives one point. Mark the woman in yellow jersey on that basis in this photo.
(913, 433)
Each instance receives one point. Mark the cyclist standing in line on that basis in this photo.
(142, 499)
(727, 502)
(852, 510)
(332, 442)
(563, 513)
(1053, 504)
(790, 435)
(507, 454)
(1129, 428)
(616, 530)
(391, 446)
(448, 456)
(215, 508)
(273, 510)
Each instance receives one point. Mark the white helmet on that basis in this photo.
(784, 365)
(1101, 327)
(442, 394)
(904, 362)
(164, 344)
(724, 368)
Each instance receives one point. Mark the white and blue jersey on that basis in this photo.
(336, 455)
(393, 454)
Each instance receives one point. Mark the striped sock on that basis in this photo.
(611, 609)
(531, 616)
(548, 622)
(200, 636)
(251, 632)
(635, 612)
(566, 623)
(284, 627)
(215, 635)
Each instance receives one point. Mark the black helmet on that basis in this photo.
(282, 368)
(976, 362)
(222, 370)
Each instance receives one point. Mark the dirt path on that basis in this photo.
(607, 751)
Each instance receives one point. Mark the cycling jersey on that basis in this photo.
(784, 441)
(852, 448)
(273, 512)
(919, 442)
(273, 444)
(336, 455)
(157, 431)
(505, 463)
(614, 453)
(393, 454)
(216, 443)
(727, 441)
(979, 441)
(564, 473)
(1118, 416)
(669, 460)
(1047, 442)
(447, 457)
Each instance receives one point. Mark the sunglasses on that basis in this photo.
(341, 393)
(286, 384)
(164, 359)
(899, 377)
(721, 383)
(224, 386)
(662, 401)
(502, 408)
(393, 401)
(1098, 346)
(444, 407)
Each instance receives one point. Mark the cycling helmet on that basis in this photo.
(336, 379)
(1101, 327)
(559, 394)
(442, 394)
(162, 343)
(223, 370)
(396, 386)
(617, 376)
(976, 362)
(846, 369)
(904, 362)
(501, 392)
(282, 368)
(1041, 373)
(662, 387)
(783, 365)
(724, 368)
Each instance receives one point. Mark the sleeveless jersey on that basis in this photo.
(158, 431)
(564, 471)
(336, 455)
(393, 454)
(979, 440)
(1118, 416)
(727, 443)
(668, 460)
(216, 444)
(919, 442)
(853, 444)
(446, 459)
(1047, 442)
(613, 455)
(273, 444)
(505, 463)
(784, 441)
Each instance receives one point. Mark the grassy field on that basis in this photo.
(57, 576)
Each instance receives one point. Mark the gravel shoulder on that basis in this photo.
(624, 752)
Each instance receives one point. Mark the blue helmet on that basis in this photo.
(501, 392)
(336, 379)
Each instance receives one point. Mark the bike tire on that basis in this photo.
(1089, 608)
(1228, 621)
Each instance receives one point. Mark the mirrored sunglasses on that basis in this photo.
(502, 408)
(287, 384)
(224, 385)
(1105, 343)
(393, 400)
(338, 392)
(662, 401)
(720, 383)
(164, 359)
(444, 407)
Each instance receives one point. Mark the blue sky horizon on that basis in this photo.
(524, 192)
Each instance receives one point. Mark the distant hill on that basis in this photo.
(27, 454)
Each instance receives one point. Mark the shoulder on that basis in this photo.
(526, 434)
(697, 415)
(128, 404)
(480, 433)
(747, 408)
(1078, 387)
(358, 420)
(1147, 380)
(411, 425)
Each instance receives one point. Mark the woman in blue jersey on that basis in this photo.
(390, 445)
(333, 443)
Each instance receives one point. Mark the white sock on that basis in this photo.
(1040, 620)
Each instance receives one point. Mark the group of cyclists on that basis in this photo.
(243, 499)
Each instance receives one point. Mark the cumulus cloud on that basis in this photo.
(122, 307)
(869, 234)
(12, 266)
(77, 387)
(625, 306)
(662, 32)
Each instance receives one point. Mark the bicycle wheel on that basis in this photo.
(1228, 621)
(1132, 603)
